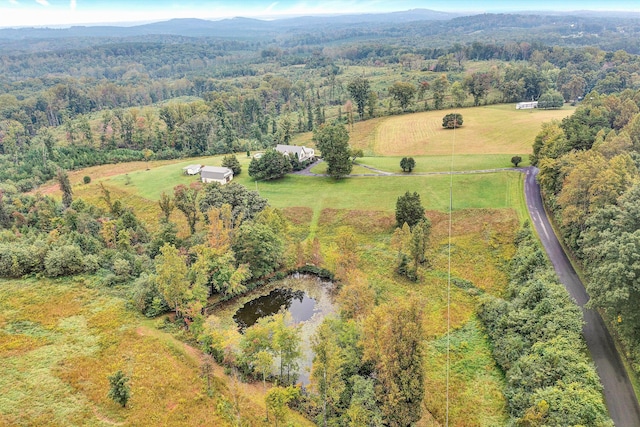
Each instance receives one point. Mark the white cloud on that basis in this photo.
(13, 1)
(43, 2)
(73, 4)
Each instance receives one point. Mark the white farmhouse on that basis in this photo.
(191, 169)
(303, 153)
(216, 174)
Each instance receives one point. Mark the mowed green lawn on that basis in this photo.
(463, 162)
(491, 190)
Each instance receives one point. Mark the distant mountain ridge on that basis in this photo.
(233, 27)
(240, 27)
(604, 29)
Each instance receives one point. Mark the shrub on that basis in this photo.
(64, 261)
(451, 121)
(86, 179)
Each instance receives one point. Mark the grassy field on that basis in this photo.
(321, 168)
(480, 248)
(495, 129)
(492, 129)
(378, 193)
(59, 340)
(461, 162)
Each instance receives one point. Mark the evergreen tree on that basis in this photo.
(231, 162)
(272, 165)
(119, 389)
(409, 209)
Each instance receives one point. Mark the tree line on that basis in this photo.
(588, 174)
(536, 331)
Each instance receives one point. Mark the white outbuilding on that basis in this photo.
(192, 169)
(216, 174)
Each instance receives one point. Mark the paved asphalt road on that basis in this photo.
(618, 392)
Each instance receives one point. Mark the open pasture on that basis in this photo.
(493, 129)
(59, 340)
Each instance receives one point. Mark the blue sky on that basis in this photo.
(65, 12)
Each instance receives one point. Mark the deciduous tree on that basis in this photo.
(478, 85)
(407, 164)
(439, 89)
(65, 187)
(452, 121)
(333, 142)
(359, 90)
(393, 342)
(258, 246)
(172, 279)
(403, 92)
(277, 400)
(185, 199)
(326, 372)
(166, 205)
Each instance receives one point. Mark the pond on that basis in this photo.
(307, 299)
(300, 305)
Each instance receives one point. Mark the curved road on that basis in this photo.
(618, 392)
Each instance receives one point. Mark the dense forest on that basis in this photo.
(83, 97)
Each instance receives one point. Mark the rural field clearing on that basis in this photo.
(481, 244)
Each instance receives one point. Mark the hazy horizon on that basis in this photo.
(64, 13)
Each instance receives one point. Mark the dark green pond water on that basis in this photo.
(300, 305)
